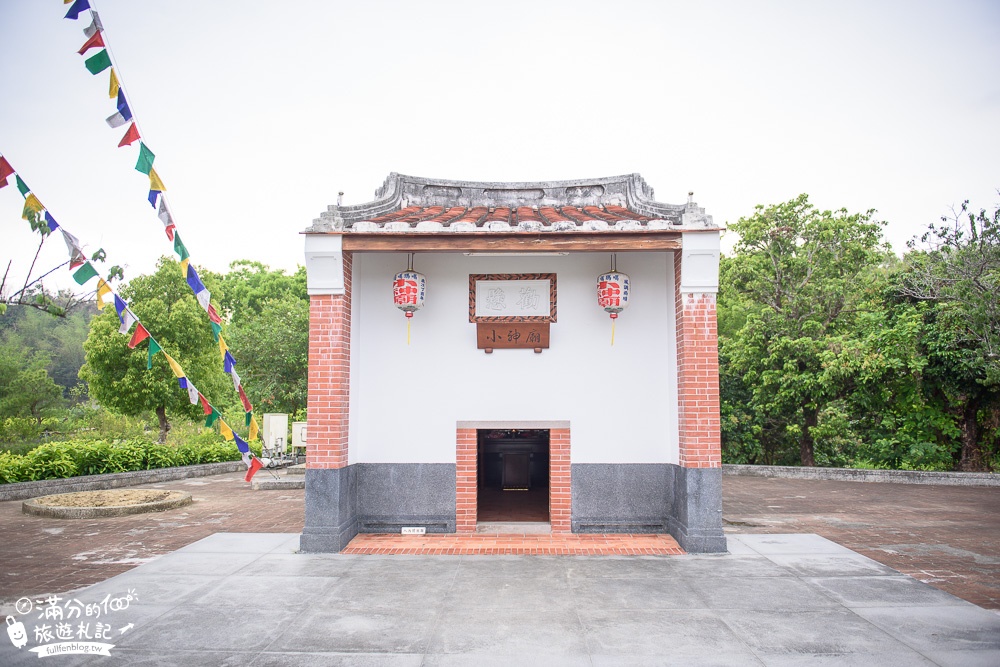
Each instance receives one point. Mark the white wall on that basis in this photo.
(621, 401)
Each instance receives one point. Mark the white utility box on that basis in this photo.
(275, 433)
(299, 437)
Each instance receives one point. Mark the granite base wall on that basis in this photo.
(650, 498)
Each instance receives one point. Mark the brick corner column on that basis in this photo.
(329, 376)
(560, 482)
(466, 455)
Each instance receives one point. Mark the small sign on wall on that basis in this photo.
(516, 335)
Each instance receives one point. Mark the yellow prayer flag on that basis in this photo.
(113, 87)
(174, 366)
(154, 181)
(102, 289)
(253, 429)
(31, 203)
(227, 432)
(222, 345)
(184, 267)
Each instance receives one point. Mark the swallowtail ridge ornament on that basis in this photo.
(613, 289)
(408, 290)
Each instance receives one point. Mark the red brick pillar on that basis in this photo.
(466, 454)
(699, 433)
(329, 376)
(560, 486)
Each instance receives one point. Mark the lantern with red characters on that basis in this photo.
(613, 290)
(408, 289)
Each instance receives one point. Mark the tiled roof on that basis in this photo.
(408, 203)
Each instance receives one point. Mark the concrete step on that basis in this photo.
(271, 484)
(514, 527)
(296, 470)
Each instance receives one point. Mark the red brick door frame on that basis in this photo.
(466, 473)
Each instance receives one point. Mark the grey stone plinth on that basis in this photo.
(265, 484)
(331, 519)
(393, 495)
(696, 518)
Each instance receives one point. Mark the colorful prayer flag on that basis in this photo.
(145, 162)
(120, 306)
(205, 406)
(152, 197)
(249, 408)
(113, 84)
(51, 222)
(216, 329)
(85, 273)
(130, 136)
(255, 465)
(154, 347)
(22, 187)
(122, 105)
(225, 430)
(73, 246)
(168, 221)
(179, 248)
(116, 119)
(228, 361)
(241, 444)
(31, 204)
(95, 24)
(74, 11)
(254, 429)
(193, 280)
(175, 367)
(154, 181)
(103, 289)
(97, 39)
(5, 171)
(210, 419)
(99, 62)
(140, 335)
(184, 266)
(204, 299)
(213, 315)
(128, 319)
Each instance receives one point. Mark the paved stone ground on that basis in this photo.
(946, 536)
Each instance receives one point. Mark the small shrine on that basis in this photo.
(509, 353)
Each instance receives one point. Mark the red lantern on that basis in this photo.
(408, 289)
(613, 289)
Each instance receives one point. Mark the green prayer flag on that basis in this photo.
(179, 248)
(98, 63)
(146, 158)
(84, 273)
(216, 330)
(249, 416)
(22, 187)
(154, 347)
(211, 418)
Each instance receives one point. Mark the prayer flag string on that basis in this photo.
(156, 194)
(83, 271)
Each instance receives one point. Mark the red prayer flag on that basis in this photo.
(213, 314)
(130, 136)
(204, 404)
(246, 401)
(140, 335)
(95, 40)
(5, 171)
(255, 465)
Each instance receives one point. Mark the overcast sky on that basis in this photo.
(259, 112)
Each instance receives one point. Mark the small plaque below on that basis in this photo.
(517, 335)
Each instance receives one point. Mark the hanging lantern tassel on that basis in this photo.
(613, 289)
(408, 289)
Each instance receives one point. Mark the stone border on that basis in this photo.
(175, 499)
(859, 475)
(48, 487)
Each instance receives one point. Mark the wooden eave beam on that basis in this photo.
(603, 241)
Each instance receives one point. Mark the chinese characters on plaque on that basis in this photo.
(512, 310)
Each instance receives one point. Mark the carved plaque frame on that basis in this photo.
(475, 278)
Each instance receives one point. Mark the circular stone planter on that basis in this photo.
(111, 502)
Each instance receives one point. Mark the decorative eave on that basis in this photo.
(409, 205)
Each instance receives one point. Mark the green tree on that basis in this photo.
(26, 390)
(956, 266)
(268, 332)
(118, 377)
(796, 274)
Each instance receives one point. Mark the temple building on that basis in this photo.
(496, 353)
